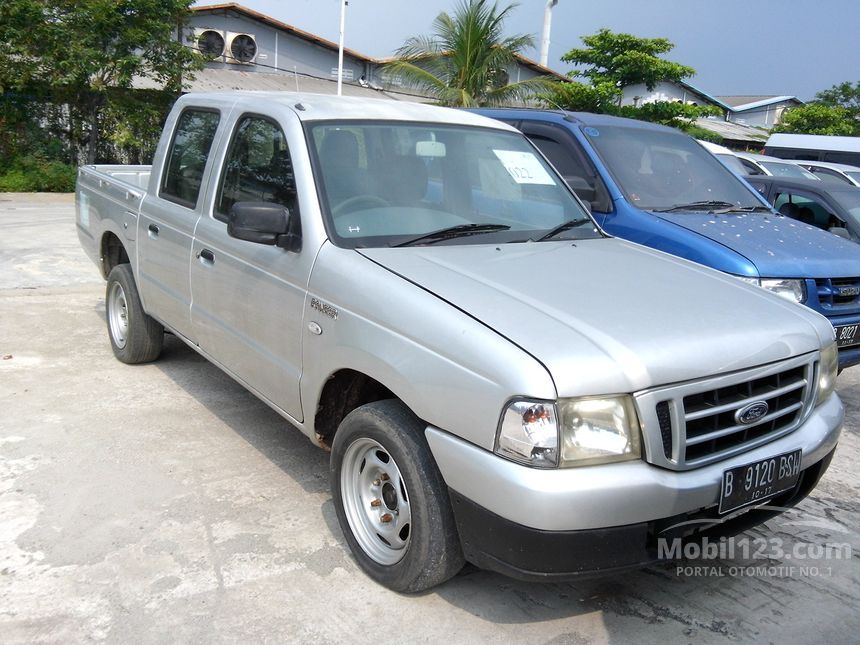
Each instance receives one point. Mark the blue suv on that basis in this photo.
(656, 186)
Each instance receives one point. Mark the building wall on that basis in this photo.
(639, 94)
(279, 50)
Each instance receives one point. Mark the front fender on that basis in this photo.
(451, 370)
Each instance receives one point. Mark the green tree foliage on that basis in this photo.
(845, 95)
(465, 61)
(612, 62)
(816, 118)
(579, 97)
(624, 59)
(81, 51)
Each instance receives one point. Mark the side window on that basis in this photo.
(805, 209)
(258, 168)
(186, 158)
(581, 179)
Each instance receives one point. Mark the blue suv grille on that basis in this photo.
(838, 293)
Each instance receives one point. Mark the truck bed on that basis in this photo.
(108, 199)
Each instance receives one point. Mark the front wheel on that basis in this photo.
(134, 336)
(391, 501)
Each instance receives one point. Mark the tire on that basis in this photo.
(134, 336)
(418, 546)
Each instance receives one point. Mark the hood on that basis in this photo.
(607, 316)
(780, 247)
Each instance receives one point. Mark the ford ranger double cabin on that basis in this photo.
(497, 379)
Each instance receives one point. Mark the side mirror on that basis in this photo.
(585, 191)
(840, 232)
(264, 223)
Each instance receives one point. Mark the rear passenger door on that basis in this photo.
(565, 153)
(249, 298)
(168, 216)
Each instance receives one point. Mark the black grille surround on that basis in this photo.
(696, 423)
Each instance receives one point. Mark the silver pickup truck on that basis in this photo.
(499, 381)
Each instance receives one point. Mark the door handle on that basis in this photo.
(153, 230)
(206, 256)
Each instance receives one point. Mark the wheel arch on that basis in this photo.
(112, 252)
(343, 391)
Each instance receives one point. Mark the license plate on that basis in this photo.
(757, 481)
(847, 335)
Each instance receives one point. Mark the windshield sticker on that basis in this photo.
(524, 167)
(592, 132)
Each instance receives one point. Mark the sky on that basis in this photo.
(771, 47)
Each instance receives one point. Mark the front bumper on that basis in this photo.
(494, 543)
(603, 514)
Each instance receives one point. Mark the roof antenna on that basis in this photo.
(296, 74)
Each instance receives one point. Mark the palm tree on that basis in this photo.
(464, 62)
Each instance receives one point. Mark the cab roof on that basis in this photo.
(323, 107)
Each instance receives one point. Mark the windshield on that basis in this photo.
(658, 169)
(397, 183)
(787, 170)
(854, 175)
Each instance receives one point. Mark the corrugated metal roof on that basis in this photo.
(743, 103)
(220, 80)
(733, 131)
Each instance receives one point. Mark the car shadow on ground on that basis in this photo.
(486, 594)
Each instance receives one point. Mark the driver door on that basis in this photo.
(248, 298)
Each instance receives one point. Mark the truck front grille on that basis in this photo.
(834, 293)
(704, 421)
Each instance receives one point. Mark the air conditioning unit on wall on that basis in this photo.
(241, 49)
(211, 43)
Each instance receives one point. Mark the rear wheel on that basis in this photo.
(391, 501)
(134, 336)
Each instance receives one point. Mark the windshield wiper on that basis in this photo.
(561, 228)
(461, 230)
(703, 205)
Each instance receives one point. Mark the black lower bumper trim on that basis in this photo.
(492, 542)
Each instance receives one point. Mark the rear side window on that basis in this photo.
(258, 168)
(187, 156)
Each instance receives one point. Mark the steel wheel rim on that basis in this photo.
(376, 501)
(118, 315)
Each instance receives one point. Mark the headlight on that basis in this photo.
(828, 367)
(793, 290)
(528, 433)
(598, 431)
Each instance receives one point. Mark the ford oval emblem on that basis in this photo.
(752, 412)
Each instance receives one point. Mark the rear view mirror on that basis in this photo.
(430, 149)
(840, 232)
(264, 223)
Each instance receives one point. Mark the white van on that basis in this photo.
(814, 147)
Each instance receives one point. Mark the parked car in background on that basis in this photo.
(730, 159)
(831, 207)
(834, 173)
(815, 147)
(772, 167)
(656, 186)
